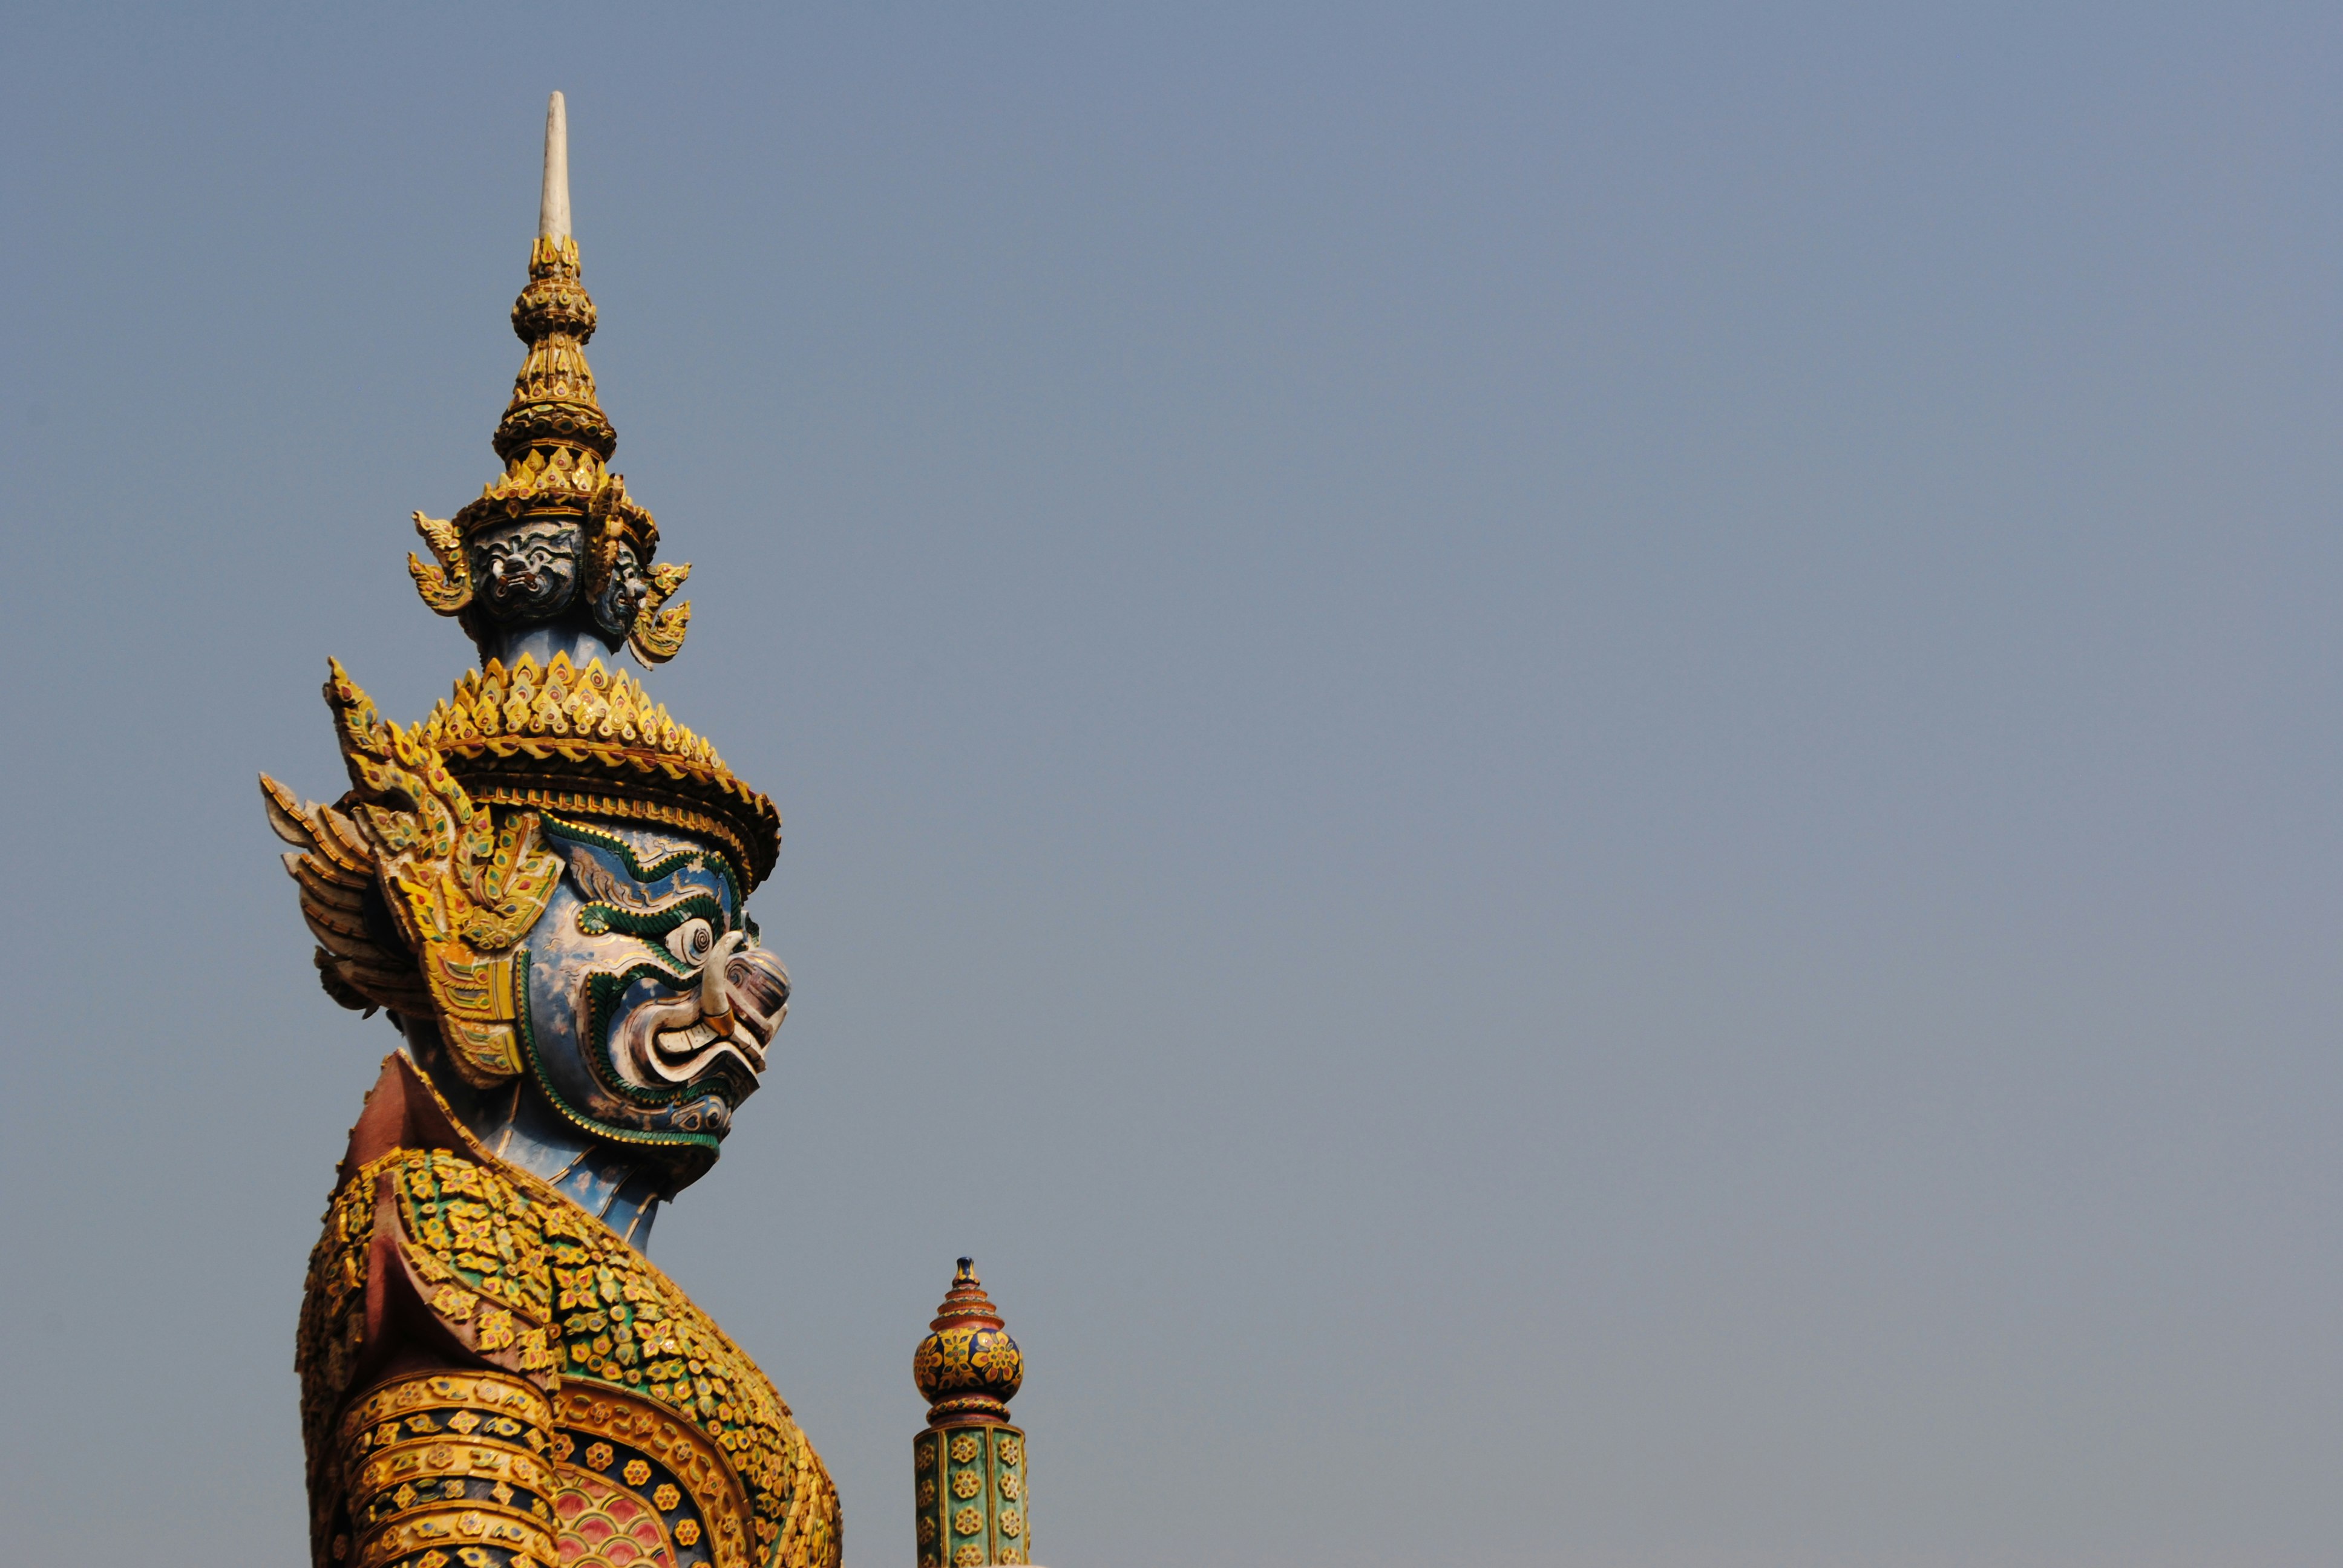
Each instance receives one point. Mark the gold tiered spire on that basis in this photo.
(556, 443)
(553, 403)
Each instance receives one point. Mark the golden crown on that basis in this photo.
(591, 742)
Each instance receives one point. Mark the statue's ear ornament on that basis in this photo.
(603, 538)
(459, 888)
(361, 965)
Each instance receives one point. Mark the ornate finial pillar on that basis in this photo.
(969, 1465)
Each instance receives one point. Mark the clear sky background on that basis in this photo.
(1570, 773)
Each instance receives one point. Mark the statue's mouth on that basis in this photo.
(734, 1014)
(680, 1055)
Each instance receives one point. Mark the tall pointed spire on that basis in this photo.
(554, 556)
(553, 206)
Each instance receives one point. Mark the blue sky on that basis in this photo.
(1570, 773)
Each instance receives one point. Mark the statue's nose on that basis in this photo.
(715, 996)
(759, 987)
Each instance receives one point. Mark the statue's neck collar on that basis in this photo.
(514, 1123)
(519, 1127)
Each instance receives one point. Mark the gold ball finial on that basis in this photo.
(968, 1368)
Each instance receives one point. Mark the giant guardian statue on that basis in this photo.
(544, 883)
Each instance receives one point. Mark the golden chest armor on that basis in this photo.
(612, 1423)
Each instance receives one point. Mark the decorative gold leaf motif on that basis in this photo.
(446, 580)
(659, 633)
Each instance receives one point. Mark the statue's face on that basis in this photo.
(623, 595)
(527, 570)
(649, 1005)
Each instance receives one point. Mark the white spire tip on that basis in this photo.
(553, 208)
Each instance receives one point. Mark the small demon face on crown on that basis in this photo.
(500, 574)
(527, 570)
(504, 879)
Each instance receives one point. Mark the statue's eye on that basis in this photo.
(689, 941)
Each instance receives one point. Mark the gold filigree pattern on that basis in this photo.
(445, 581)
(659, 632)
